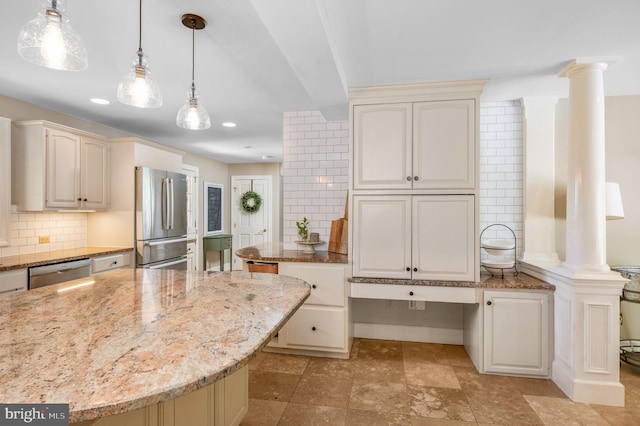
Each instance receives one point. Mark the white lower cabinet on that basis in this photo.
(13, 280)
(320, 326)
(420, 237)
(223, 403)
(109, 263)
(191, 256)
(516, 332)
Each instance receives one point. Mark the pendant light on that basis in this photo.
(191, 115)
(137, 88)
(49, 41)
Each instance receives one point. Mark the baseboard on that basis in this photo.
(408, 333)
(587, 391)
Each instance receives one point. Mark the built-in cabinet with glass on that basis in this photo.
(58, 168)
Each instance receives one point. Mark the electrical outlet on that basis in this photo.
(43, 239)
(417, 305)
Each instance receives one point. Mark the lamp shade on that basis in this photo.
(614, 209)
(193, 116)
(49, 41)
(137, 88)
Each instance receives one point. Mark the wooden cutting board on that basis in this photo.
(339, 236)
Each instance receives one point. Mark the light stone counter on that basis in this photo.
(8, 263)
(134, 338)
(276, 253)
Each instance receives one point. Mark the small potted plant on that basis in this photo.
(303, 229)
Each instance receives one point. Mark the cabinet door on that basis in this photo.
(326, 281)
(316, 326)
(382, 146)
(95, 174)
(63, 169)
(516, 332)
(382, 236)
(444, 144)
(443, 237)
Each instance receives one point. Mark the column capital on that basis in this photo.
(583, 64)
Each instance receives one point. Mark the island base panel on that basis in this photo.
(223, 403)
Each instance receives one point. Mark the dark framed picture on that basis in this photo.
(213, 208)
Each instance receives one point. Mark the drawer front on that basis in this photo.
(327, 283)
(316, 326)
(107, 263)
(12, 281)
(414, 292)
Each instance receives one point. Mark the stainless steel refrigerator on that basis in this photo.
(161, 219)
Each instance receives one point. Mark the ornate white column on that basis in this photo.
(586, 237)
(586, 363)
(539, 180)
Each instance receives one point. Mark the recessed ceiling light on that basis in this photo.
(248, 147)
(229, 124)
(100, 101)
(267, 157)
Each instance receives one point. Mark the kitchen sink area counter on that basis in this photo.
(276, 253)
(137, 337)
(56, 256)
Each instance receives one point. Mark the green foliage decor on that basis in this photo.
(251, 202)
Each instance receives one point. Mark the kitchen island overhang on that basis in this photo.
(134, 337)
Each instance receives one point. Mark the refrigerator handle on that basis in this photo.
(165, 204)
(171, 204)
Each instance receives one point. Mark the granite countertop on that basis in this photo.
(276, 253)
(487, 281)
(8, 263)
(136, 337)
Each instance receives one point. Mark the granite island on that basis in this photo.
(136, 341)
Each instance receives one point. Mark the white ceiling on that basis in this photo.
(259, 58)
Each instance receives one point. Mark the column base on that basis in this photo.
(587, 391)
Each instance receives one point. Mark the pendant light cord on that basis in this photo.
(140, 35)
(140, 27)
(193, 58)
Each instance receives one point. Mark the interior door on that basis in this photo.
(250, 229)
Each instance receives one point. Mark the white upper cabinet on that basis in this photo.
(58, 168)
(419, 145)
(443, 144)
(382, 146)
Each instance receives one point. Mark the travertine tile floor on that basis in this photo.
(404, 383)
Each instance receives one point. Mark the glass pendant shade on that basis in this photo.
(49, 40)
(193, 116)
(138, 88)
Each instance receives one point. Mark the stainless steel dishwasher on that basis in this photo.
(41, 276)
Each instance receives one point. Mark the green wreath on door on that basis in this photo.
(251, 202)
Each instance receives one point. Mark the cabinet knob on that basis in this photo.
(409, 178)
(79, 199)
(410, 293)
(85, 200)
(115, 262)
(313, 328)
(408, 269)
(415, 269)
(313, 286)
(489, 302)
(415, 178)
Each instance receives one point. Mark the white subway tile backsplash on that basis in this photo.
(325, 168)
(501, 160)
(63, 229)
